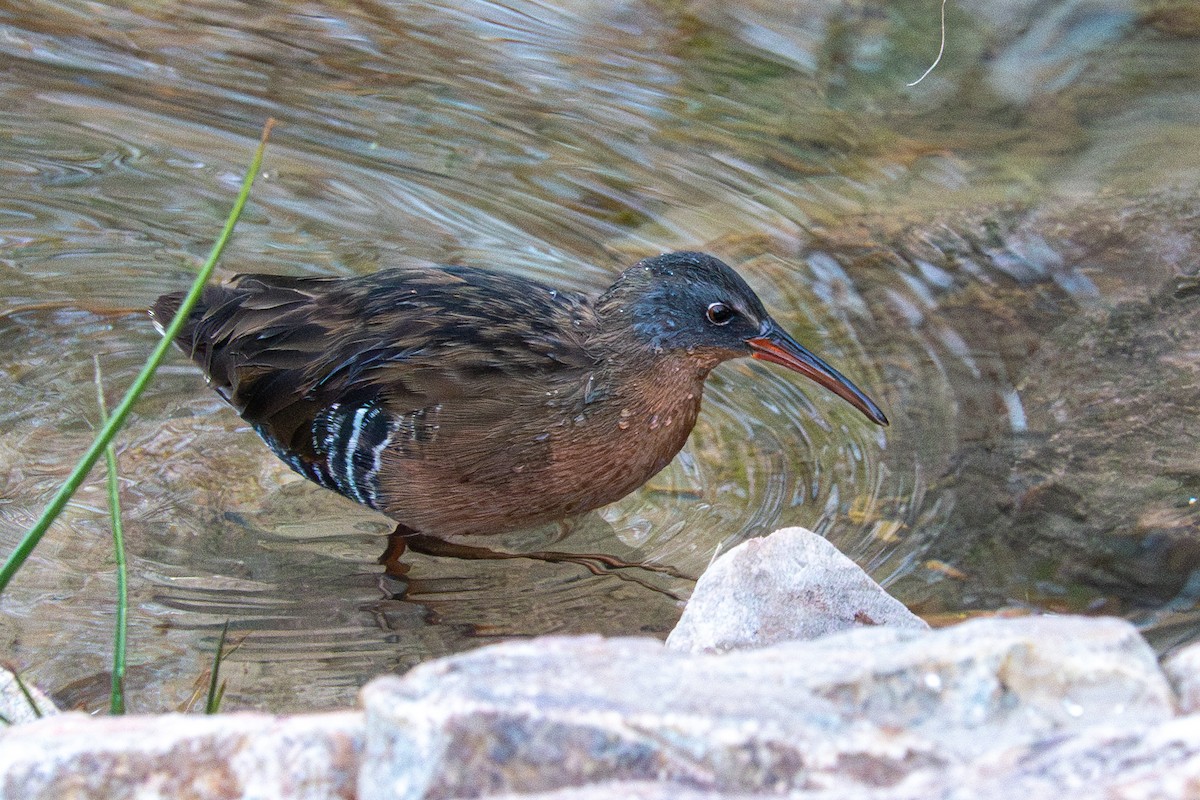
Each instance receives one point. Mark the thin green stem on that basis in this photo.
(119, 414)
(117, 693)
(213, 703)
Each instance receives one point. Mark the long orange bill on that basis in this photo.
(775, 345)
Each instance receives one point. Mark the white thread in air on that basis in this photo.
(941, 50)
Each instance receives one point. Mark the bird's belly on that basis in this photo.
(530, 479)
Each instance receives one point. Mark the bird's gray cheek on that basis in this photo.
(659, 332)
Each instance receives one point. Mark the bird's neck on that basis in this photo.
(636, 366)
(656, 395)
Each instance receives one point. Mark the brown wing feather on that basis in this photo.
(282, 350)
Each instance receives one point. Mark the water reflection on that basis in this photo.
(1000, 255)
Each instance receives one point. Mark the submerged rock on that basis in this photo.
(15, 707)
(790, 585)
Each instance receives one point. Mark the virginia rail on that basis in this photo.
(461, 401)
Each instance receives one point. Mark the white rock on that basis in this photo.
(792, 584)
(1183, 671)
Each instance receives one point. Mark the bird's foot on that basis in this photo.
(396, 548)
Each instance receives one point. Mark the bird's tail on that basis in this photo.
(163, 310)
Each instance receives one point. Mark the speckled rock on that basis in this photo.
(1051, 707)
(1141, 762)
(633, 790)
(304, 757)
(1111, 760)
(857, 711)
(792, 584)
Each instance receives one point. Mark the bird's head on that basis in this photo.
(695, 304)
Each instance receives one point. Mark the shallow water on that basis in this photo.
(1000, 255)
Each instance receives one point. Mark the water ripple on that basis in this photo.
(561, 142)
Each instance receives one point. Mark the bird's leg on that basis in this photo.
(396, 547)
(405, 538)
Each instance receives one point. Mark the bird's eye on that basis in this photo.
(720, 314)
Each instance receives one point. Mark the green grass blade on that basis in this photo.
(37, 711)
(116, 703)
(119, 414)
(216, 691)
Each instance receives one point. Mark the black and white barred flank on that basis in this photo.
(349, 442)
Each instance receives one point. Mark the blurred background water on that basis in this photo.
(1004, 255)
